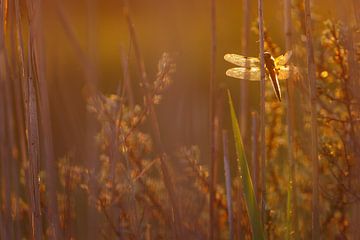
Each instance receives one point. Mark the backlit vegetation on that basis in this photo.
(157, 143)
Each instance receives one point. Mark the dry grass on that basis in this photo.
(90, 153)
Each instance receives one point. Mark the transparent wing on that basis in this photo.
(283, 59)
(252, 74)
(283, 72)
(242, 61)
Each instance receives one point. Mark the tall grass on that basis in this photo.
(88, 148)
(228, 183)
(248, 187)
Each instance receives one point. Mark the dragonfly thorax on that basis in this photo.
(269, 61)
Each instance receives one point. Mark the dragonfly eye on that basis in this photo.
(267, 55)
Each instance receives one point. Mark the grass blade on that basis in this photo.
(248, 188)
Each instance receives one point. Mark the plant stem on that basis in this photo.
(45, 120)
(228, 183)
(314, 138)
(244, 85)
(262, 111)
(213, 155)
(255, 152)
(292, 217)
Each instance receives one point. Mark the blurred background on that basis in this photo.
(181, 28)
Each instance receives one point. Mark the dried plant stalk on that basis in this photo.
(6, 141)
(314, 132)
(244, 85)
(33, 151)
(255, 152)
(46, 129)
(5, 167)
(292, 230)
(228, 183)
(262, 109)
(213, 130)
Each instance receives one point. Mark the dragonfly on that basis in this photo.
(249, 68)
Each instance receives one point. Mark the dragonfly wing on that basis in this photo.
(252, 74)
(242, 61)
(283, 72)
(283, 59)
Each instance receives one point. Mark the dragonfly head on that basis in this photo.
(267, 55)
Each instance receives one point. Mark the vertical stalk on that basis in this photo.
(244, 85)
(255, 152)
(33, 152)
(12, 116)
(292, 216)
(228, 183)
(91, 128)
(5, 130)
(4, 165)
(262, 111)
(31, 157)
(314, 140)
(20, 94)
(36, 34)
(9, 145)
(213, 156)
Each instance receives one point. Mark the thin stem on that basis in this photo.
(33, 151)
(255, 152)
(32, 129)
(244, 85)
(46, 129)
(6, 131)
(314, 138)
(228, 183)
(212, 225)
(262, 110)
(292, 218)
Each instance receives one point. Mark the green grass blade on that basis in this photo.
(249, 194)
